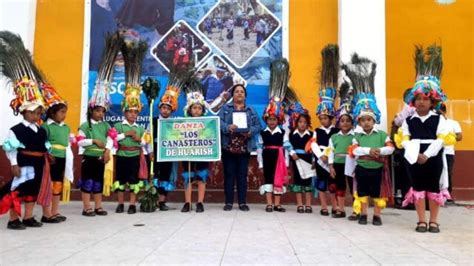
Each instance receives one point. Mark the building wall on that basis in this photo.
(313, 24)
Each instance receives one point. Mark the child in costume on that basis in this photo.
(338, 145)
(272, 140)
(300, 134)
(326, 113)
(195, 172)
(25, 144)
(453, 128)
(95, 137)
(131, 165)
(423, 136)
(370, 146)
(62, 164)
(167, 172)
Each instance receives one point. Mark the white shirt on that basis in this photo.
(454, 127)
(361, 151)
(437, 144)
(87, 142)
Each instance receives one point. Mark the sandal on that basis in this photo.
(324, 212)
(300, 209)
(269, 208)
(308, 209)
(421, 227)
(434, 229)
(88, 212)
(100, 211)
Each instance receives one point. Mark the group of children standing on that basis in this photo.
(345, 149)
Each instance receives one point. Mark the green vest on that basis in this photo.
(374, 140)
(341, 143)
(58, 136)
(128, 141)
(95, 131)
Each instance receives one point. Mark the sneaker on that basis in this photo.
(244, 207)
(120, 208)
(162, 206)
(50, 220)
(199, 207)
(228, 207)
(377, 220)
(186, 207)
(363, 219)
(16, 225)
(32, 222)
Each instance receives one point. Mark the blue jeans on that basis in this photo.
(235, 168)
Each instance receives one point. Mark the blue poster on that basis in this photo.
(227, 41)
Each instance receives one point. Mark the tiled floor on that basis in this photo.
(255, 237)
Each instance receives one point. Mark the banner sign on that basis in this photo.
(189, 139)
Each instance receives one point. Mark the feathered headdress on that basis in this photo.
(428, 65)
(279, 76)
(194, 95)
(17, 65)
(361, 72)
(100, 95)
(178, 77)
(346, 95)
(133, 52)
(329, 80)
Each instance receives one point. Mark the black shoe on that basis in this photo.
(300, 209)
(363, 219)
(244, 207)
(32, 222)
(324, 212)
(279, 208)
(353, 217)
(50, 220)
(228, 207)
(377, 220)
(186, 207)
(132, 209)
(433, 229)
(60, 217)
(16, 225)
(100, 212)
(89, 213)
(199, 207)
(120, 208)
(421, 227)
(269, 208)
(162, 206)
(339, 214)
(308, 209)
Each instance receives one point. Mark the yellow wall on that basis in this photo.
(424, 22)
(313, 24)
(58, 50)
